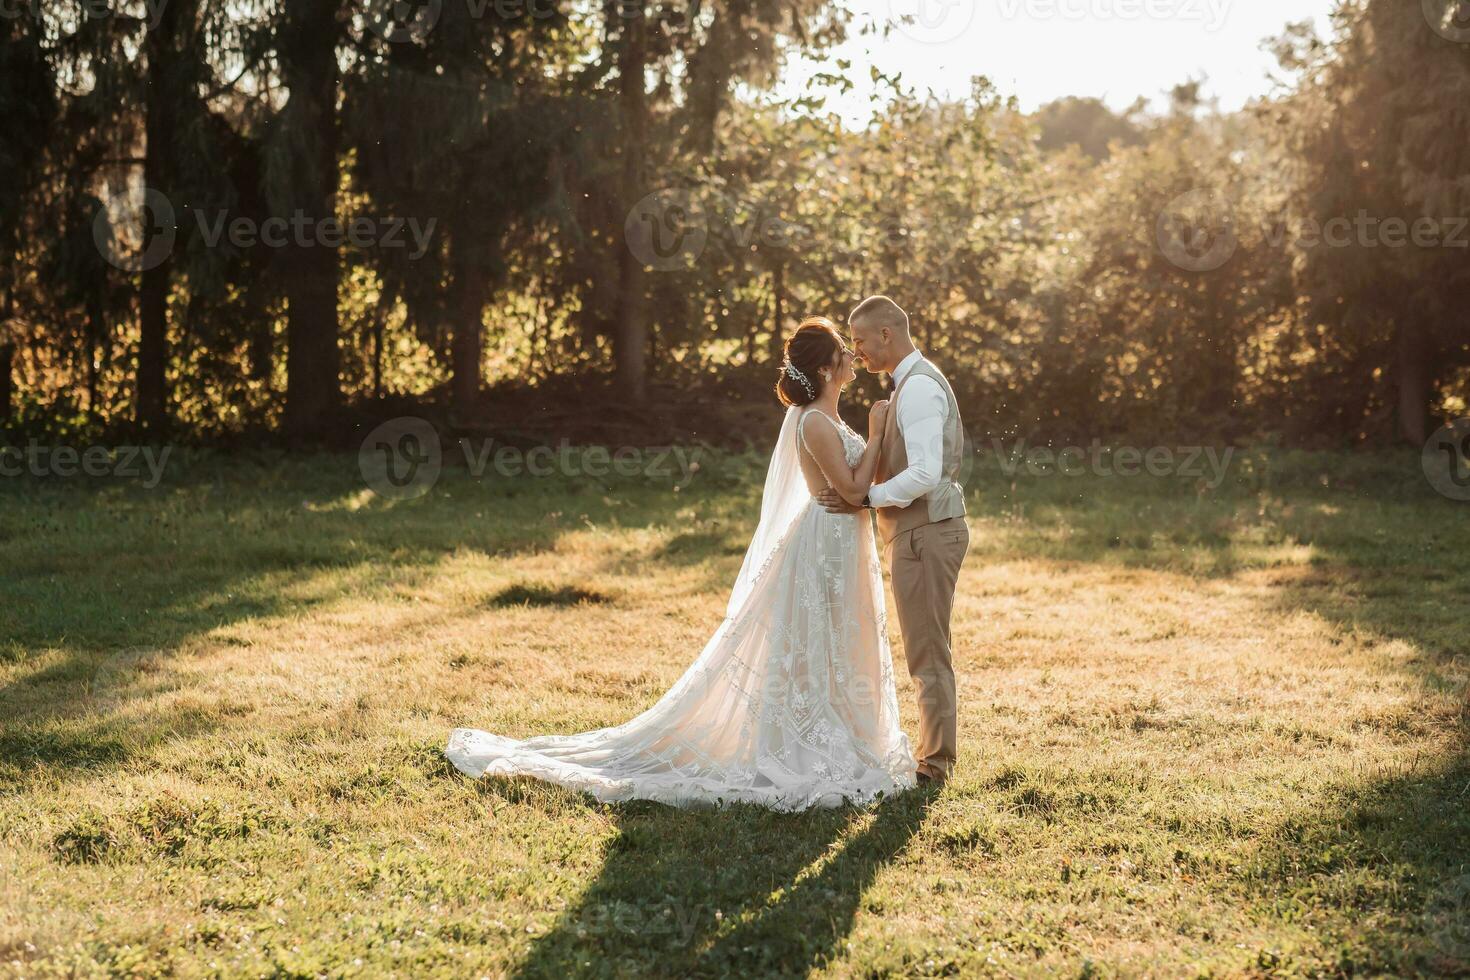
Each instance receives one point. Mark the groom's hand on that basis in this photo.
(832, 501)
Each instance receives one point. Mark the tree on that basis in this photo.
(672, 127)
(28, 113)
(302, 179)
(1087, 124)
(476, 105)
(168, 81)
(1378, 122)
(630, 347)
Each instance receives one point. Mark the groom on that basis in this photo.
(921, 516)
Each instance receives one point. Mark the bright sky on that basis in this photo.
(1040, 50)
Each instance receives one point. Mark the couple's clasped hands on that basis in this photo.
(830, 499)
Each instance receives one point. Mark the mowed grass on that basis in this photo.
(1202, 732)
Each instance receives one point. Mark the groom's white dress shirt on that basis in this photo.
(922, 409)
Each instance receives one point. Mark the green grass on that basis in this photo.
(1203, 732)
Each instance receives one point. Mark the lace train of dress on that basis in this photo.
(790, 705)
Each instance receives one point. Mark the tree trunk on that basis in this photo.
(7, 358)
(540, 355)
(750, 335)
(96, 330)
(778, 313)
(7, 382)
(1414, 383)
(1219, 383)
(163, 45)
(380, 322)
(260, 352)
(466, 345)
(630, 341)
(309, 64)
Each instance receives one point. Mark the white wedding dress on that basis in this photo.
(790, 705)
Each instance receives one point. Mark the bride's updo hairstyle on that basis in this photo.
(813, 347)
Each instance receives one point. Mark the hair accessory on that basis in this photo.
(794, 373)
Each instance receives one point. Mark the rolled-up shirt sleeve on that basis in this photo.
(922, 410)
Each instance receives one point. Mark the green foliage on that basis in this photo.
(1377, 126)
(1026, 248)
(1087, 124)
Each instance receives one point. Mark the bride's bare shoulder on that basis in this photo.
(825, 430)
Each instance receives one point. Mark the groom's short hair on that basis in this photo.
(882, 312)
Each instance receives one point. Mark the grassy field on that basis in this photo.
(1213, 733)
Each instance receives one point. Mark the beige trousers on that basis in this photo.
(925, 563)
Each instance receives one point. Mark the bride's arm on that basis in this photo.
(867, 468)
(850, 482)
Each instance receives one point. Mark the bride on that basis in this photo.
(791, 704)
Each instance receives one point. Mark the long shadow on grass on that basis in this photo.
(734, 892)
(103, 583)
(1387, 562)
(1393, 852)
(1390, 858)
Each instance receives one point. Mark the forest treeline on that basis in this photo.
(269, 217)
